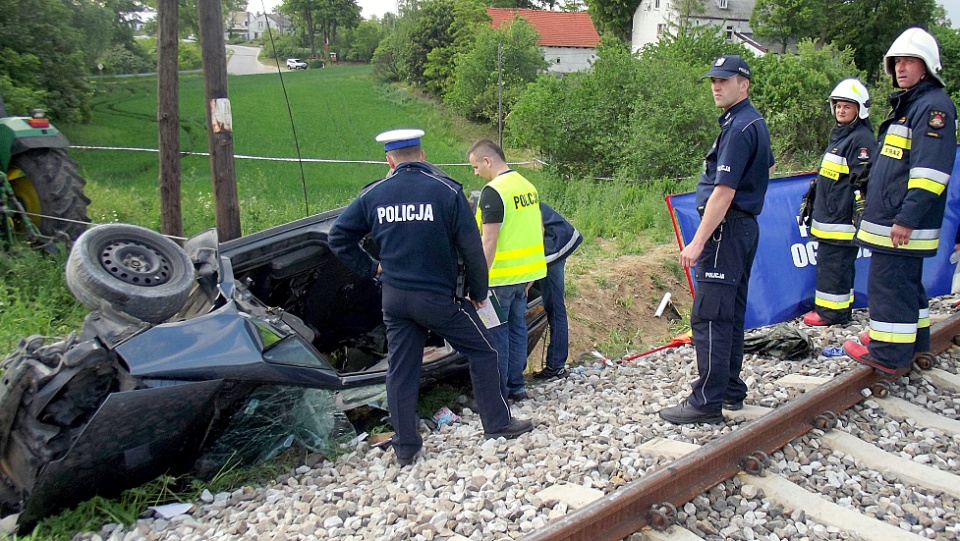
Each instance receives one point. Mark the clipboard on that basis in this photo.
(492, 314)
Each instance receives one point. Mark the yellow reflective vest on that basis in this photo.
(519, 257)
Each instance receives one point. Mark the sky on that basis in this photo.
(368, 8)
(953, 11)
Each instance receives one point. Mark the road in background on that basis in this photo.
(244, 61)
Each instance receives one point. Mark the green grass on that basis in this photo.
(337, 112)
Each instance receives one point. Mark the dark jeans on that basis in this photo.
(511, 337)
(551, 290)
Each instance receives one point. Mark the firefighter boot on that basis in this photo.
(860, 354)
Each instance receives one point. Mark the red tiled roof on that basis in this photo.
(557, 29)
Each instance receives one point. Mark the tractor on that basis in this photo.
(41, 193)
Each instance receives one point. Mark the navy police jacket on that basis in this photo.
(421, 222)
(851, 148)
(740, 158)
(908, 181)
(560, 238)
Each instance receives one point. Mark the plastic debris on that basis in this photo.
(603, 360)
(832, 351)
(445, 416)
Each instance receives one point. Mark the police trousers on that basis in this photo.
(899, 309)
(719, 308)
(408, 316)
(836, 270)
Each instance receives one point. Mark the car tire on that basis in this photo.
(130, 269)
(48, 393)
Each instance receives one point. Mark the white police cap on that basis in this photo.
(395, 139)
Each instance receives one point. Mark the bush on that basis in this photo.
(793, 93)
(119, 59)
(475, 90)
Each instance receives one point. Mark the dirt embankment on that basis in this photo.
(611, 302)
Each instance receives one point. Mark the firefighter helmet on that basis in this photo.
(918, 43)
(853, 91)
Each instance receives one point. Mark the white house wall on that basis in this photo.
(653, 15)
(568, 59)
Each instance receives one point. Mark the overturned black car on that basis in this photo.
(178, 341)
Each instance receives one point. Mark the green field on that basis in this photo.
(336, 113)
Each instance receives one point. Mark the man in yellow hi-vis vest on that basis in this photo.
(512, 234)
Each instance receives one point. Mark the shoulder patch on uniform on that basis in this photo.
(932, 134)
(937, 119)
(902, 120)
(863, 154)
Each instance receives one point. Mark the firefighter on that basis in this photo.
(837, 199)
(905, 203)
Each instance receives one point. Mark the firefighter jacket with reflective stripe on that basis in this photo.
(852, 146)
(519, 257)
(908, 181)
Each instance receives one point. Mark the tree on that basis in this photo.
(358, 44)
(430, 30)
(41, 56)
(475, 91)
(321, 18)
(614, 17)
(785, 19)
(439, 70)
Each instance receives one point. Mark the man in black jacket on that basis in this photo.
(421, 222)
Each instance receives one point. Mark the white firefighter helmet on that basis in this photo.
(918, 43)
(853, 91)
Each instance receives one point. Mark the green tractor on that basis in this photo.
(41, 193)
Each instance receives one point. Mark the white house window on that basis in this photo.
(661, 28)
(729, 33)
(656, 5)
(722, 4)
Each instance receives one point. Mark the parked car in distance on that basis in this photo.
(179, 342)
(296, 64)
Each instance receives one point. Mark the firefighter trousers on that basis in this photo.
(833, 299)
(899, 309)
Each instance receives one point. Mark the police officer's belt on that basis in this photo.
(732, 213)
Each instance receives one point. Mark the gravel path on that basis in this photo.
(588, 429)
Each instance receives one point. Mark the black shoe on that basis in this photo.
(512, 430)
(517, 397)
(732, 405)
(685, 414)
(549, 373)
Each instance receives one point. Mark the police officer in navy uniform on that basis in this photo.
(730, 195)
(905, 203)
(422, 223)
(560, 239)
(840, 185)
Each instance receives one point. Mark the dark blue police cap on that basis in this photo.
(727, 66)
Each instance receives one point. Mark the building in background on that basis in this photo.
(568, 39)
(731, 17)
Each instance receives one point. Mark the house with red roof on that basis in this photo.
(568, 39)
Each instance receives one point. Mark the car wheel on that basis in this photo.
(131, 269)
(48, 393)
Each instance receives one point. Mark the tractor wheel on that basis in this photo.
(130, 269)
(48, 186)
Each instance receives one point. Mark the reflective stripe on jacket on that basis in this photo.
(918, 145)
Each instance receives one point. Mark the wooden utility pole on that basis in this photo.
(168, 117)
(219, 119)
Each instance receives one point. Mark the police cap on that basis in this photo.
(401, 138)
(727, 66)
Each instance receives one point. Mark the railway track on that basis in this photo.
(651, 506)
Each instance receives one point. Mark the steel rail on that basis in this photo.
(642, 502)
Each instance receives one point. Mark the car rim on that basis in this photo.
(135, 263)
